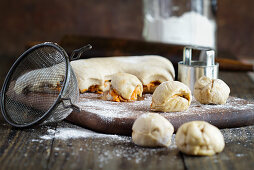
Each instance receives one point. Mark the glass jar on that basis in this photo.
(181, 22)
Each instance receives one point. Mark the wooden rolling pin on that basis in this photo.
(234, 65)
(124, 47)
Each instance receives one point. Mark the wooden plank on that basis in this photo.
(23, 149)
(240, 84)
(239, 149)
(110, 153)
(238, 152)
(106, 117)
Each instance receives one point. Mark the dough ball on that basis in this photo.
(199, 138)
(152, 130)
(211, 91)
(171, 96)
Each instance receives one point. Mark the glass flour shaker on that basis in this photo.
(181, 22)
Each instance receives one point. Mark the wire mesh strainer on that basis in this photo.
(41, 86)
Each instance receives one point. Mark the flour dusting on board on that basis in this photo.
(109, 110)
(70, 141)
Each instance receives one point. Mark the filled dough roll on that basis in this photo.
(124, 87)
(171, 96)
(152, 71)
(94, 74)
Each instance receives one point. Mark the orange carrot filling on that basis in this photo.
(95, 88)
(106, 83)
(137, 92)
(118, 98)
(83, 91)
(151, 85)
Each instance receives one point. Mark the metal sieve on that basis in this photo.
(41, 86)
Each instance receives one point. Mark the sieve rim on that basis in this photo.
(10, 73)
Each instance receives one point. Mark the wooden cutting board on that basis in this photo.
(118, 118)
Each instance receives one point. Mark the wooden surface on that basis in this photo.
(25, 149)
(49, 20)
(118, 118)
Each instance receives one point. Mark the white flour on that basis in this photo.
(189, 29)
(74, 140)
(124, 149)
(73, 133)
(109, 111)
(123, 146)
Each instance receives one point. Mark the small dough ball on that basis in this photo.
(152, 130)
(171, 96)
(211, 91)
(199, 138)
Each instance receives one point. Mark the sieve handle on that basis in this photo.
(71, 105)
(78, 52)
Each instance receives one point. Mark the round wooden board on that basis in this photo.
(118, 118)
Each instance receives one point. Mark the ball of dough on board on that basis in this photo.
(152, 130)
(211, 91)
(199, 138)
(171, 96)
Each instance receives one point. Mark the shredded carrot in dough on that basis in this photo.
(119, 98)
(116, 97)
(106, 83)
(83, 91)
(95, 89)
(151, 86)
(136, 93)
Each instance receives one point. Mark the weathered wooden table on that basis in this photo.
(67, 146)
